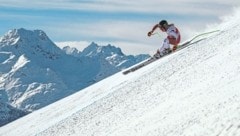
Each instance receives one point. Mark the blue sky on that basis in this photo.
(122, 23)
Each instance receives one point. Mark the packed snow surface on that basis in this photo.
(195, 91)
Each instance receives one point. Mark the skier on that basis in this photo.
(173, 37)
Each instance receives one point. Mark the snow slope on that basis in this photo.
(194, 91)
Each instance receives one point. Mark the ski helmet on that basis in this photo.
(163, 22)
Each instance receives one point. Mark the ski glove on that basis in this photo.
(149, 33)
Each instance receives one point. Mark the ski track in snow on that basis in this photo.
(194, 91)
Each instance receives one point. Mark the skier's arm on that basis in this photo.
(153, 29)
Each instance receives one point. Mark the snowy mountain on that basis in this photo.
(109, 53)
(194, 91)
(35, 72)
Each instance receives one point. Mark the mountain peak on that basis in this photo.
(28, 41)
(95, 50)
(14, 35)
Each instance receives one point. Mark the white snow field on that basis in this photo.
(193, 92)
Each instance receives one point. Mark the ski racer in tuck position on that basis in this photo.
(173, 38)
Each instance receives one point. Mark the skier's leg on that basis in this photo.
(165, 47)
(174, 42)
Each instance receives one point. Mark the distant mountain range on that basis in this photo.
(34, 72)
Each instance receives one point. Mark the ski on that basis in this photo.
(197, 36)
(181, 46)
(150, 60)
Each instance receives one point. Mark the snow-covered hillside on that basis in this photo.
(194, 91)
(34, 72)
